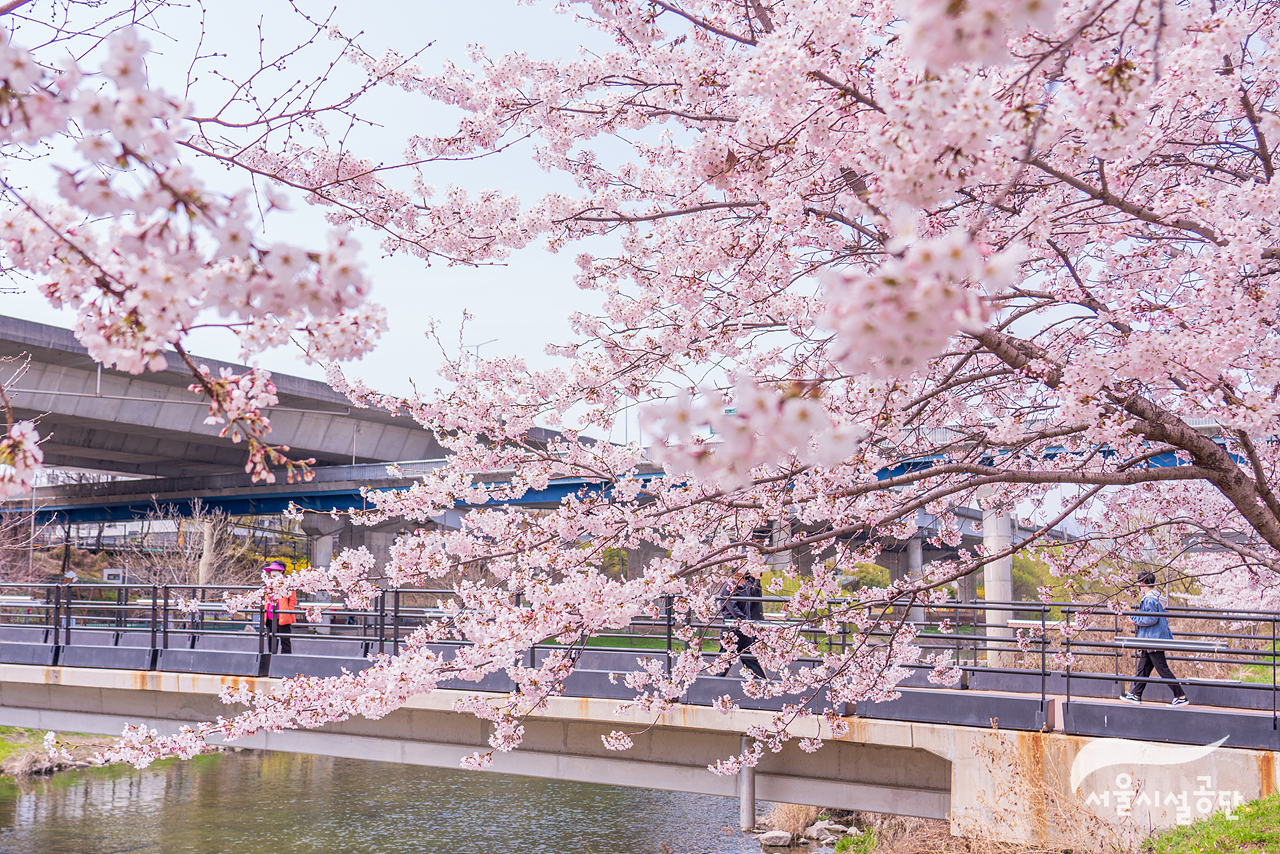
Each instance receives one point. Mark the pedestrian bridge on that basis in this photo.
(981, 778)
(1003, 751)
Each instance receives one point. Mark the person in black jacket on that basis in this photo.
(741, 603)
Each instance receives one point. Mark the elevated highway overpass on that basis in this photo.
(151, 425)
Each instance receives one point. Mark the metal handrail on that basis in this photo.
(1057, 627)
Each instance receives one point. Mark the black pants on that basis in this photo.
(1154, 658)
(280, 636)
(750, 662)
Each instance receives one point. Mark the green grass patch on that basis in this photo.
(1263, 672)
(15, 740)
(862, 844)
(1255, 830)
(18, 740)
(1257, 673)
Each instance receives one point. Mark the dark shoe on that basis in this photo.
(1130, 697)
(1180, 701)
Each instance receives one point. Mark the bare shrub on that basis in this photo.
(199, 548)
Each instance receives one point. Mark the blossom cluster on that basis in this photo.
(238, 401)
(940, 33)
(754, 427)
(20, 458)
(892, 320)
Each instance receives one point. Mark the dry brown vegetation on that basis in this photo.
(903, 835)
(793, 818)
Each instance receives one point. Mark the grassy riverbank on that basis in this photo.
(1256, 830)
(22, 752)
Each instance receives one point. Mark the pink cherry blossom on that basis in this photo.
(858, 264)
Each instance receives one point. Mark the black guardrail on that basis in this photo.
(1009, 660)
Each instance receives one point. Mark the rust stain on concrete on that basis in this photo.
(1267, 773)
(857, 730)
(143, 681)
(53, 675)
(1032, 762)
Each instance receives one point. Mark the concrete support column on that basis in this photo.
(322, 549)
(915, 569)
(325, 532)
(746, 792)
(997, 535)
(639, 558)
(781, 533)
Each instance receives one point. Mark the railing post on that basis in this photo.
(1044, 673)
(1273, 672)
(1115, 633)
(670, 609)
(746, 792)
(59, 598)
(1067, 629)
(382, 622)
(52, 616)
(155, 598)
(395, 622)
(262, 628)
(164, 618)
(66, 610)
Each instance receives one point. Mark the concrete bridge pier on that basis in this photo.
(746, 792)
(915, 568)
(330, 535)
(323, 529)
(997, 536)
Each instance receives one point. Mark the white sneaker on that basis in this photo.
(1179, 701)
(1130, 697)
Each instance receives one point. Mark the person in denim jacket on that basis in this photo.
(741, 603)
(1152, 624)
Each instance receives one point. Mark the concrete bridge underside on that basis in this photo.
(1005, 784)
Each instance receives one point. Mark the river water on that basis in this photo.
(281, 803)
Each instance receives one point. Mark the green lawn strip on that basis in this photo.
(1256, 830)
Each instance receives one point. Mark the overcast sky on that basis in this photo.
(524, 304)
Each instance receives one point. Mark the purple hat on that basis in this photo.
(274, 566)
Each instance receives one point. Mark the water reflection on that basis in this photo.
(246, 803)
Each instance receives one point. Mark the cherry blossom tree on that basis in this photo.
(902, 257)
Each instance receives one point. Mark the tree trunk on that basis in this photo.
(204, 574)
